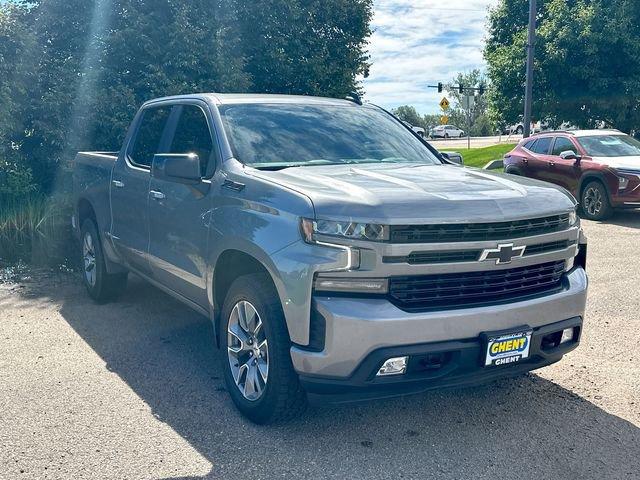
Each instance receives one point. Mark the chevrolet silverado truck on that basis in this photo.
(339, 256)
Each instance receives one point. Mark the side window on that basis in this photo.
(529, 145)
(192, 135)
(562, 145)
(148, 135)
(542, 145)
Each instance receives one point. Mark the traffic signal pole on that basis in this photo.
(528, 93)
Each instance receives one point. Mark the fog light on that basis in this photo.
(393, 366)
(567, 335)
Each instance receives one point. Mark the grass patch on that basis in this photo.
(479, 157)
(36, 230)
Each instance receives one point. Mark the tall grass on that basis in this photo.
(35, 229)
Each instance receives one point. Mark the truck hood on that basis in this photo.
(420, 194)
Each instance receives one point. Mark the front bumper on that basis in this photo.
(438, 365)
(356, 327)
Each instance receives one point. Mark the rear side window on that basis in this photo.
(528, 145)
(148, 136)
(192, 135)
(562, 145)
(542, 145)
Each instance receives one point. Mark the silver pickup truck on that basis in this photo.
(339, 256)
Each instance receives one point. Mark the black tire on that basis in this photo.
(104, 287)
(594, 202)
(461, 134)
(446, 135)
(282, 398)
(519, 130)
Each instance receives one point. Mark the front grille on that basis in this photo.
(476, 232)
(416, 258)
(547, 247)
(471, 289)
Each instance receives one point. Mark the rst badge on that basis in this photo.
(506, 349)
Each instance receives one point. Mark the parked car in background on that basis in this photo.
(419, 130)
(599, 167)
(446, 131)
(338, 256)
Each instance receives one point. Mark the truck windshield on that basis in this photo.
(610, 146)
(285, 135)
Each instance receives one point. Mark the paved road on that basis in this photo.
(133, 391)
(461, 143)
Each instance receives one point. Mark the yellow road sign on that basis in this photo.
(444, 103)
(444, 120)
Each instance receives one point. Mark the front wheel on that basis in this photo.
(519, 130)
(595, 202)
(100, 284)
(255, 353)
(461, 134)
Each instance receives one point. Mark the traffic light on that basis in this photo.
(461, 88)
(481, 89)
(440, 87)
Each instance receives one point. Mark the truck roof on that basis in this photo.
(234, 98)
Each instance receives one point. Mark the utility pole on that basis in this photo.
(531, 45)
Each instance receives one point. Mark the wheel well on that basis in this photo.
(85, 211)
(230, 265)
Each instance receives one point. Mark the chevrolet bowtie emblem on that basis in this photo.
(503, 254)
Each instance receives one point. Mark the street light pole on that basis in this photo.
(531, 45)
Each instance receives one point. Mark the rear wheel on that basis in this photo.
(594, 202)
(446, 135)
(513, 171)
(461, 134)
(100, 284)
(519, 129)
(255, 353)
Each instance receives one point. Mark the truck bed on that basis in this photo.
(92, 179)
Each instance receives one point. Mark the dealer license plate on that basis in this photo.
(508, 348)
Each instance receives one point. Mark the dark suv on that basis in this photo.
(599, 167)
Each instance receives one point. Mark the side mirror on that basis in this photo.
(454, 157)
(570, 155)
(177, 167)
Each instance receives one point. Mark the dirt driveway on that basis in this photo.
(133, 390)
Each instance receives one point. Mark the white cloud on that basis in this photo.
(422, 42)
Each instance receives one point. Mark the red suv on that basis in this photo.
(599, 167)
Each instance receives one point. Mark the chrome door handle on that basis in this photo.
(157, 195)
(117, 183)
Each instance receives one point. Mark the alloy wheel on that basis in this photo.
(247, 350)
(593, 201)
(89, 257)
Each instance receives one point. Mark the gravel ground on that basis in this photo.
(132, 390)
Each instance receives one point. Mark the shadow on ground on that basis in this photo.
(624, 218)
(522, 428)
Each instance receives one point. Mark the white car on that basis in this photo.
(446, 131)
(419, 130)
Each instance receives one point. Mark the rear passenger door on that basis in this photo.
(538, 158)
(179, 213)
(130, 188)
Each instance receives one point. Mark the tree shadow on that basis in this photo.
(521, 428)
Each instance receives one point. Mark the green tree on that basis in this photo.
(480, 122)
(310, 47)
(407, 113)
(83, 67)
(587, 63)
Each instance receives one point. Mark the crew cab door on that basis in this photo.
(178, 212)
(130, 188)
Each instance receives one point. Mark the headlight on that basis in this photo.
(372, 232)
(573, 218)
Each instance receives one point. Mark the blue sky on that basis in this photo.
(421, 42)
